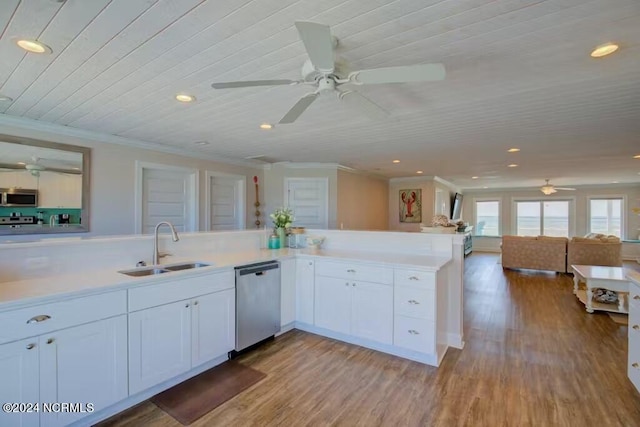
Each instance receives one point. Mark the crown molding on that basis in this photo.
(363, 173)
(23, 123)
(308, 165)
(426, 178)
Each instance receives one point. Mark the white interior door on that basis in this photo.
(225, 202)
(309, 200)
(166, 194)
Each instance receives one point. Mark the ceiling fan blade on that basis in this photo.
(565, 188)
(299, 108)
(319, 44)
(364, 104)
(11, 166)
(251, 83)
(406, 74)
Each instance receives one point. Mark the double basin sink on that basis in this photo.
(150, 271)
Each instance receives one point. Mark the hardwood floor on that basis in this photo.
(533, 357)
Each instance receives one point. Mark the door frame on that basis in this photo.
(194, 188)
(324, 179)
(241, 194)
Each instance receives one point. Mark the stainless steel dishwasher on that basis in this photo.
(257, 303)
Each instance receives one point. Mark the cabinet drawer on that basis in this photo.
(423, 279)
(414, 302)
(45, 318)
(354, 271)
(180, 289)
(414, 334)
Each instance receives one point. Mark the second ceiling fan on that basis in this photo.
(322, 71)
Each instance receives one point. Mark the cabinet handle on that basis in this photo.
(30, 346)
(414, 332)
(186, 306)
(353, 284)
(414, 278)
(414, 302)
(346, 284)
(38, 319)
(50, 341)
(636, 327)
(195, 303)
(310, 262)
(636, 297)
(635, 365)
(351, 270)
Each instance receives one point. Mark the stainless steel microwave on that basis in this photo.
(18, 197)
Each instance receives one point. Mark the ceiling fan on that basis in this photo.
(548, 188)
(327, 75)
(36, 167)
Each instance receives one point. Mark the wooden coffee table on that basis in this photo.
(595, 276)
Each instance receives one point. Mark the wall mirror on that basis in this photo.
(44, 187)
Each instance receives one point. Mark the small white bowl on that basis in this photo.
(315, 241)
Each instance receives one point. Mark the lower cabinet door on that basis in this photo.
(83, 365)
(372, 311)
(287, 291)
(213, 319)
(304, 292)
(333, 304)
(19, 381)
(159, 344)
(414, 334)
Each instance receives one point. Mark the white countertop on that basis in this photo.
(633, 276)
(15, 294)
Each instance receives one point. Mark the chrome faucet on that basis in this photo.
(174, 236)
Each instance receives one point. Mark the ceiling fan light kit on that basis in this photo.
(549, 188)
(323, 71)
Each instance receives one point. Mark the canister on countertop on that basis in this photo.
(297, 237)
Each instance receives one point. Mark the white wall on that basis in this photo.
(113, 179)
(274, 186)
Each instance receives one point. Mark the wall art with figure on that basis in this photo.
(411, 205)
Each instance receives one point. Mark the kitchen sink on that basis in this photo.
(144, 272)
(186, 266)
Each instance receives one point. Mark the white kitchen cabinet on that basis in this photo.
(633, 359)
(372, 311)
(287, 292)
(304, 292)
(83, 364)
(20, 380)
(213, 318)
(333, 304)
(18, 179)
(159, 344)
(360, 309)
(58, 190)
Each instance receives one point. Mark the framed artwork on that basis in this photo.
(411, 205)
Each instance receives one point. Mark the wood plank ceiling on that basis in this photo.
(519, 74)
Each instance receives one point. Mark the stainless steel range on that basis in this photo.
(257, 303)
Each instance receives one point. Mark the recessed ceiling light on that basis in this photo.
(183, 97)
(474, 177)
(636, 156)
(513, 150)
(266, 126)
(512, 165)
(5, 98)
(615, 182)
(201, 143)
(396, 161)
(21, 163)
(33, 46)
(485, 187)
(76, 169)
(604, 50)
(419, 172)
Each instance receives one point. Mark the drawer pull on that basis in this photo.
(50, 341)
(635, 365)
(31, 346)
(186, 306)
(413, 332)
(636, 297)
(38, 319)
(346, 284)
(195, 302)
(351, 270)
(414, 278)
(636, 327)
(414, 302)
